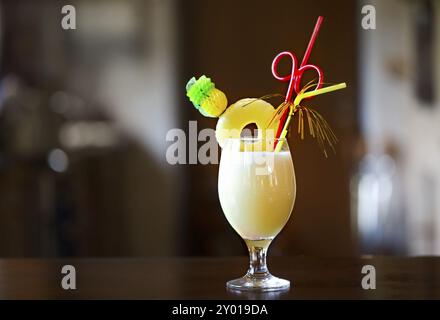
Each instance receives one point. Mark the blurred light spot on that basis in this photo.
(59, 102)
(368, 204)
(81, 134)
(9, 86)
(58, 160)
(116, 20)
(374, 194)
(67, 104)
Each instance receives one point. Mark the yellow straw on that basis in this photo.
(284, 132)
(308, 94)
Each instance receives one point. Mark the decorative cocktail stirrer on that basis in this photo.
(318, 126)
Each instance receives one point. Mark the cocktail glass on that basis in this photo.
(257, 190)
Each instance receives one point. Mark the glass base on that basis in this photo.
(265, 282)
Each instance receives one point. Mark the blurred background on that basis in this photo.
(84, 115)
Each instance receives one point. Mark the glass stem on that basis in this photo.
(257, 254)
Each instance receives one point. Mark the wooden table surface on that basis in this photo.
(204, 278)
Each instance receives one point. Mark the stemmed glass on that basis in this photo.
(257, 192)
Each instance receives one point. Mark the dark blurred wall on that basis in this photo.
(119, 197)
(102, 97)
